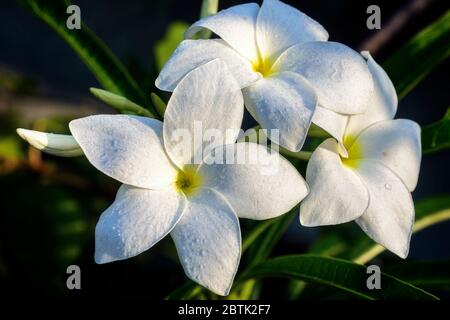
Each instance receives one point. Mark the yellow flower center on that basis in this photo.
(188, 181)
(264, 67)
(354, 150)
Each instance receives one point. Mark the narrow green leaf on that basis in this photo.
(338, 274)
(159, 104)
(427, 274)
(264, 245)
(420, 55)
(436, 136)
(120, 103)
(166, 46)
(105, 66)
(254, 233)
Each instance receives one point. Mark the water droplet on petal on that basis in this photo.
(388, 186)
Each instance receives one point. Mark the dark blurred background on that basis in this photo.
(49, 206)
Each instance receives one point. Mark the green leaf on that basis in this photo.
(436, 136)
(424, 274)
(264, 245)
(159, 104)
(120, 103)
(255, 232)
(105, 66)
(166, 46)
(420, 55)
(338, 274)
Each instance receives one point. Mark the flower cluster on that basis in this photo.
(279, 64)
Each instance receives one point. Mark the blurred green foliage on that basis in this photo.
(167, 45)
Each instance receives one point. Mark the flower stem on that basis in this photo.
(301, 155)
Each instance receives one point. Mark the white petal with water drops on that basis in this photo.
(284, 102)
(258, 184)
(209, 98)
(389, 219)
(337, 193)
(396, 144)
(126, 148)
(339, 74)
(208, 241)
(136, 220)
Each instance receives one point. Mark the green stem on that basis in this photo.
(301, 155)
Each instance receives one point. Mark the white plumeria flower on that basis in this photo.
(369, 178)
(198, 205)
(289, 73)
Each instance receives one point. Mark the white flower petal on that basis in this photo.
(389, 219)
(259, 184)
(280, 26)
(339, 74)
(208, 99)
(62, 145)
(236, 25)
(285, 102)
(332, 122)
(337, 194)
(136, 220)
(191, 54)
(383, 104)
(396, 144)
(127, 148)
(208, 241)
